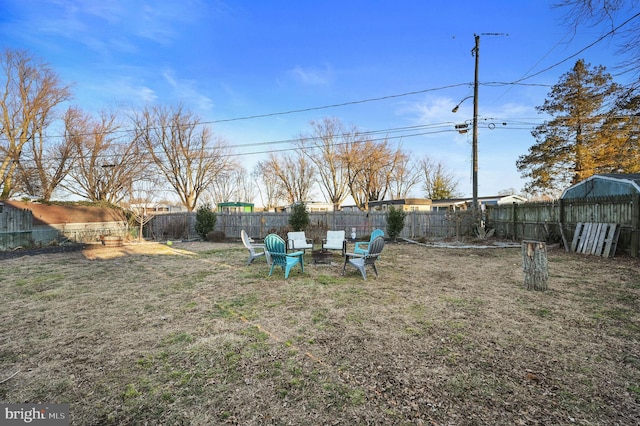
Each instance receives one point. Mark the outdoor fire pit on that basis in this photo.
(321, 256)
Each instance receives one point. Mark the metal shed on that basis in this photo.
(603, 185)
(235, 207)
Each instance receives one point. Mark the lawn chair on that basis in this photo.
(360, 261)
(298, 241)
(362, 247)
(251, 246)
(279, 256)
(335, 241)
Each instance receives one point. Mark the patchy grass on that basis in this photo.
(150, 334)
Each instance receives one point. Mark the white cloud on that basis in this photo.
(187, 92)
(312, 76)
(127, 89)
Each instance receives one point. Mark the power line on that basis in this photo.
(295, 111)
(390, 134)
(581, 50)
(274, 114)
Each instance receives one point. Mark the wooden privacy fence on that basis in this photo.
(548, 221)
(258, 225)
(15, 227)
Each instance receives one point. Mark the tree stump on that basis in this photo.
(534, 265)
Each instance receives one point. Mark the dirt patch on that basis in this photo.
(188, 334)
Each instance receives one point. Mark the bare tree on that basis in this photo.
(183, 150)
(369, 167)
(405, 175)
(268, 188)
(142, 201)
(49, 164)
(106, 163)
(31, 93)
(507, 191)
(324, 147)
(438, 182)
(231, 185)
(618, 18)
(246, 188)
(295, 175)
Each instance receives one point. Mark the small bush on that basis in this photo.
(174, 229)
(299, 217)
(395, 222)
(316, 232)
(216, 237)
(205, 221)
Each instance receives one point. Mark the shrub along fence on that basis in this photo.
(548, 221)
(258, 225)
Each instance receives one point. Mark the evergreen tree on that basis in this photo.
(395, 222)
(569, 147)
(299, 217)
(620, 131)
(205, 220)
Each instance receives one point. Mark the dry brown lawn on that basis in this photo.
(151, 334)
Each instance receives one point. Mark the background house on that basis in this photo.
(465, 203)
(313, 207)
(405, 204)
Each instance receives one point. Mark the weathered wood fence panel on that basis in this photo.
(258, 225)
(15, 228)
(171, 226)
(542, 220)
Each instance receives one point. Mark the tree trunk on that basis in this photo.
(534, 264)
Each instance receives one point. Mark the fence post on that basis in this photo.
(515, 221)
(635, 225)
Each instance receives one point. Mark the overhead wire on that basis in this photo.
(374, 99)
(590, 45)
(286, 112)
(389, 134)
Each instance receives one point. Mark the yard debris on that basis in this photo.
(462, 245)
(10, 377)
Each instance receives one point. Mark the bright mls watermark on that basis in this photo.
(34, 414)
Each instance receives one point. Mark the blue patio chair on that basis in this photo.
(279, 256)
(362, 247)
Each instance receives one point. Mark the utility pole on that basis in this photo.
(474, 149)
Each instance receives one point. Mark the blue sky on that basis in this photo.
(227, 60)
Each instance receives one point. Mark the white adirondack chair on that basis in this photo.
(298, 241)
(335, 241)
(254, 249)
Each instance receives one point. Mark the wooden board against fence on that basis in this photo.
(600, 239)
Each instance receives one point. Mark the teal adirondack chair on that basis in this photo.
(362, 247)
(279, 256)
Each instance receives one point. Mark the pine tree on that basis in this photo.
(621, 133)
(205, 221)
(570, 147)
